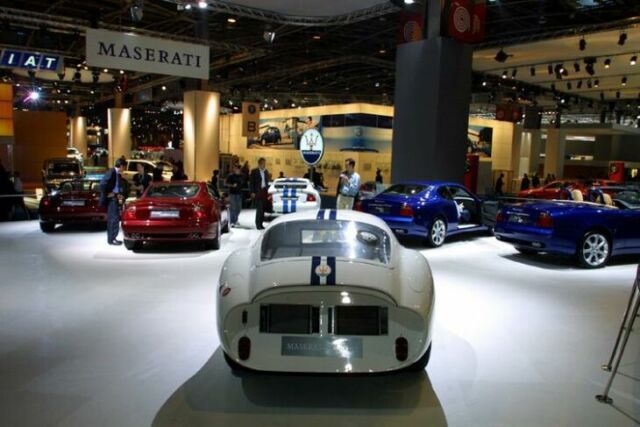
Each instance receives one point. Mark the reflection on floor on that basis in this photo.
(94, 335)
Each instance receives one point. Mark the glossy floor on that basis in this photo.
(94, 335)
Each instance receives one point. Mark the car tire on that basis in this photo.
(420, 364)
(437, 233)
(594, 250)
(235, 366)
(47, 227)
(525, 251)
(132, 245)
(225, 229)
(214, 244)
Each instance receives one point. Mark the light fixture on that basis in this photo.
(202, 4)
(624, 81)
(532, 71)
(316, 37)
(382, 51)
(502, 56)
(187, 6)
(504, 74)
(622, 39)
(513, 73)
(293, 104)
(607, 63)
(484, 83)
(582, 44)
(596, 83)
(409, 1)
(34, 95)
(106, 70)
(579, 85)
(633, 60)
(589, 84)
(269, 36)
(618, 94)
(231, 20)
(121, 71)
(550, 68)
(377, 84)
(164, 88)
(576, 67)
(569, 85)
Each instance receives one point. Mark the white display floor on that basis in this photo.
(95, 335)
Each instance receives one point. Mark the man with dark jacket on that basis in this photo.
(259, 186)
(112, 188)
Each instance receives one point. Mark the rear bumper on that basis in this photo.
(325, 351)
(97, 215)
(146, 230)
(534, 238)
(404, 226)
(281, 208)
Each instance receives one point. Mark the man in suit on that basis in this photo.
(259, 186)
(112, 188)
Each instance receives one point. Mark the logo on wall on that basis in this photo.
(461, 19)
(311, 147)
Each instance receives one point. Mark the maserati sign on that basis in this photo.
(128, 51)
(311, 147)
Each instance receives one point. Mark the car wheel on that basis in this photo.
(420, 364)
(225, 229)
(235, 366)
(132, 245)
(525, 251)
(594, 250)
(437, 233)
(214, 244)
(47, 227)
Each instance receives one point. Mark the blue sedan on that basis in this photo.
(592, 232)
(429, 209)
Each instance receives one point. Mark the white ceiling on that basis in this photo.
(565, 50)
(310, 8)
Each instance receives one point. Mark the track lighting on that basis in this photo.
(550, 69)
(624, 81)
(502, 56)
(618, 94)
(582, 44)
(633, 60)
(589, 84)
(596, 83)
(607, 63)
(514, 72)
(622, 39)
(532, 71)
(504, 74)
(576, 67)
(579, 85)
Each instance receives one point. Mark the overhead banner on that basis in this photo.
(250, 119)
(30, 60)
(128, 51)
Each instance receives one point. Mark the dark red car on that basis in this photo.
(72, 202)
(175, 211)
(561, 189)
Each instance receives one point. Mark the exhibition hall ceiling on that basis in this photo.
(341, 51)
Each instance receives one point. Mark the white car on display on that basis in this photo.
(326, 292)
(290, 195)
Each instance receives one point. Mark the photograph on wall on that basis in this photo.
(356, 132)
(479, 140)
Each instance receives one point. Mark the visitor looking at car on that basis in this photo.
(215, 177)
(259, 186)
(235, 182)
(112, 196)
(141, 179)
(499, 185)
(350, 186)
(524, 185)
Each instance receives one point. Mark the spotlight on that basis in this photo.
(624, 81)
(622, 39)
(576, 67)
(550, 68)
(618, 94)
(34, 95)
(187, 6)
(633, 60)
(532, 71)
(164, 88)
(231, 20)
(203, 4)
(596, 83)
(77, 76)
(579, 85)
(504, 74)
(409, 1)
(589, 84)
(514, 72)
(136, 10)
(582, 44)
(121, 71)
(269, 36)
(484, 83)
(607, 63)
(502, 56)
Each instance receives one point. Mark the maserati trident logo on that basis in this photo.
(323, 270)
(311, 147)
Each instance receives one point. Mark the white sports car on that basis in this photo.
(326, 292)
(293, 195)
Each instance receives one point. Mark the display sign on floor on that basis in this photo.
(128, 51)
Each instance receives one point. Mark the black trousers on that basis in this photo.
(261, 204)
(113, 219)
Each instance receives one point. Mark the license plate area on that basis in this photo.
(519, 218)
(73, 203)
(289, 319)
(361, 320)
(346, 348)
(165, 214)
(380, 209)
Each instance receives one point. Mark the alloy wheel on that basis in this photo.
(595, 250)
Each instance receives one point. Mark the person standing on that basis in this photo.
(349, 188)
(215, 177)
(500, 185)
(535, 181)
(141, 179)
(259, 185)
(112, 196)
(378, 176)
(235, 182)
(524, 185)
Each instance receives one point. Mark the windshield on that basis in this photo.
(173, 190)
(630, 197)
(404, 189)
(80, 185)
(342, 239)
(63, 168)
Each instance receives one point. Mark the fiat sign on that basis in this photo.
(311, 147)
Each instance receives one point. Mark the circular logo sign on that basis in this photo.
(252, 109)
(411, 31)
(323, 270)
(311, 147)
(461, 19)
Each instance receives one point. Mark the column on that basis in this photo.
(119, 122)
(554, 152)
(201, 134)
(78, 135)
(528, 157)
(432, 94)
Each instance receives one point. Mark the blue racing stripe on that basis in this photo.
(331, 278)
(293, 206)
(333, 214)
(320, 214)
(315, 262)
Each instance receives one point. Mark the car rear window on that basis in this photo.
(405, 189)
(81, 185)
(173, 190)
(63, 167)
(341, 239)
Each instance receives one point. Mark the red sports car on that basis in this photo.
(176, 211)
(71, 202)
(561, 189)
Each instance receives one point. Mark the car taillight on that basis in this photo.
(46, 202)
(198, 212)
(358, 206)
(500, 216)
(311, 198)
(406, 210)
(402, 349)
(544, 220)
(130, 213)
(244, 348)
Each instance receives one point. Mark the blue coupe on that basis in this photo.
(430, 209)
(592, 232)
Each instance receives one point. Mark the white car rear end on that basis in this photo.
(290, 195)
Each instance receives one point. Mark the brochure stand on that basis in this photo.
(626, 326)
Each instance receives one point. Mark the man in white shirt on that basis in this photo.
(349, 186)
